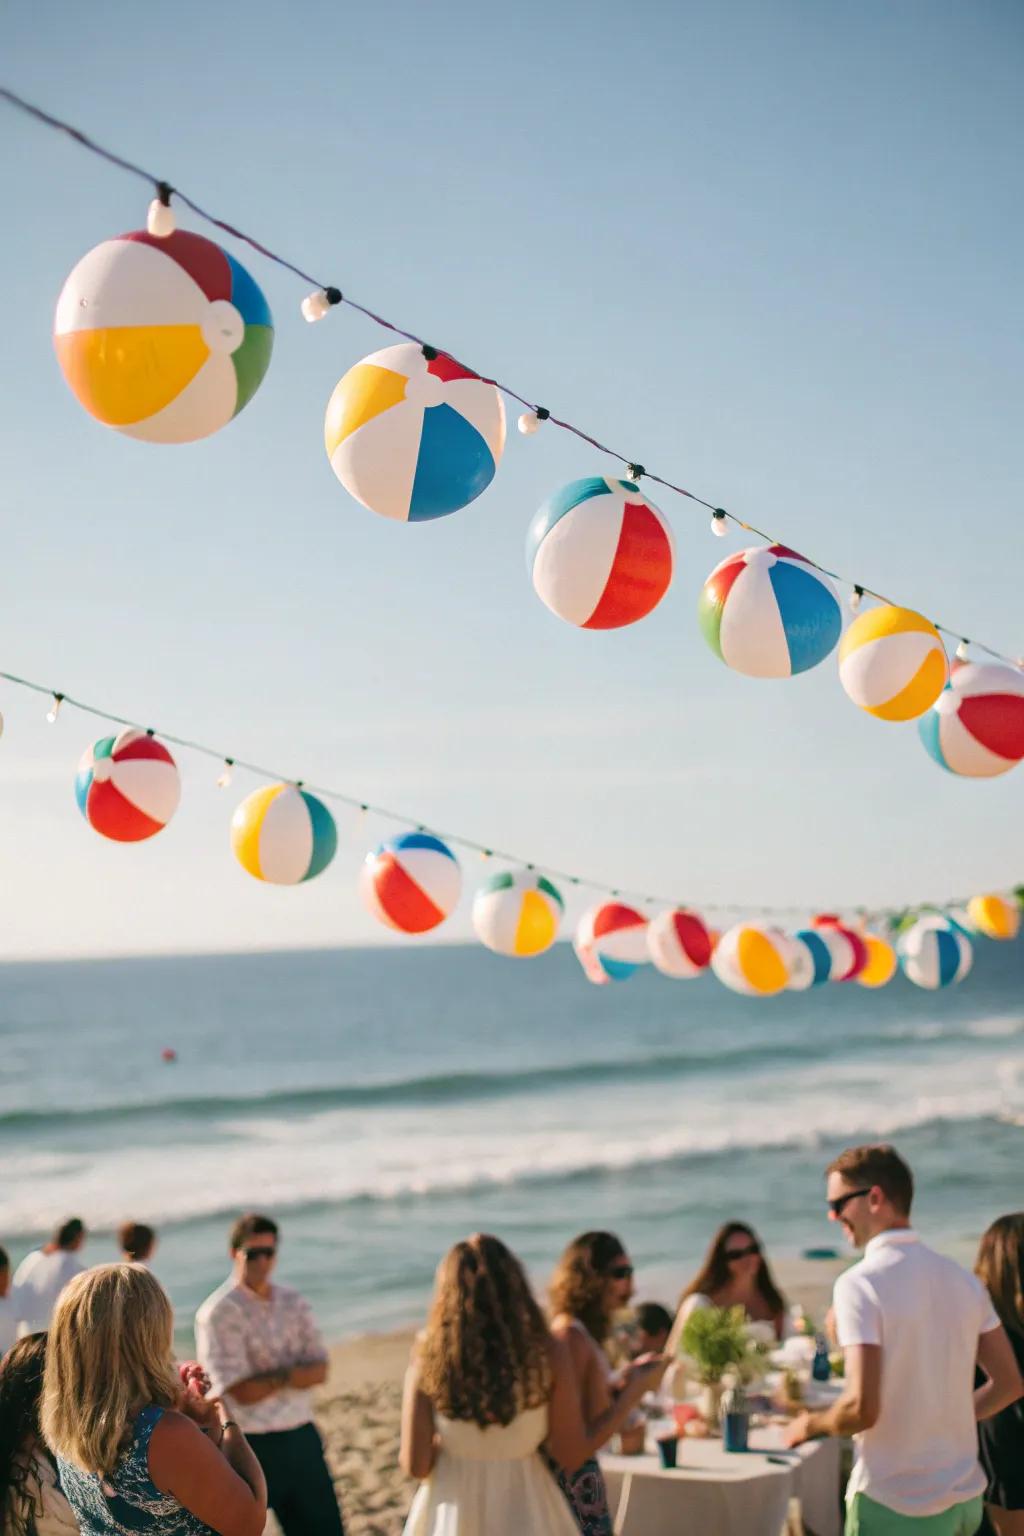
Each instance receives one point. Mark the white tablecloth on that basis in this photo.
(722, 1493)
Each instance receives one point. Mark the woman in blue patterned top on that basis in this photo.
(135, 1450)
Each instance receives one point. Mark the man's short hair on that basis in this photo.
(136, 1239)
(5, 1262)
(879, 1165)
(251, 1225)
(652, 1317)
(68, 1232)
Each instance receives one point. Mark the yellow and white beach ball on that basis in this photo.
(994, 916)
(881, 964)
(752, 960)
(892, 663)
(517, 913)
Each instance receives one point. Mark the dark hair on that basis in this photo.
(577, 1286)
(713, 1275)
(880, 1166)
(136, 1239)
(652, 1317)
(21, 1386)
(251, 1225)
(1000, 1268)
(5, 1262)
(68, 1232)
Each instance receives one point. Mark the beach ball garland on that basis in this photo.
(768, 612)
(412, 434)
(284, 835)
(976, 728)
(892, 663)
(935, 953)
(127, 786)
(752, 960)
(994, 916)
(600, 555)
(679, 943)
(517, 913)
(412, 882)
(611, 942)
(164, 339)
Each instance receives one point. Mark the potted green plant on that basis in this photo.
(715, 1339)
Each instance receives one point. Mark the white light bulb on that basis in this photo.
(961, 651)
(225, 775)
(315, 306)
(719, 525)
(160, 220)
(856, 598)
(54, 709)
(528, 423)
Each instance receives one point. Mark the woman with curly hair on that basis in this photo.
(735, 1273)
(593, 1281)
(1000, 1268)
(31, 1503)
(487, 1387)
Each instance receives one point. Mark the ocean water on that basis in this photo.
(382, 1103)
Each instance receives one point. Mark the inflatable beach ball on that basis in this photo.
(892, 663)
(994, 916)
(283, 834)
(847, 948)
(127, 786)
(935, 953)
(679, 943)
(977, 726)
(163, 339)
(809, 960)
(752, 960)
(767, 612)
(881, 962)
(414, 438)
(611, 942)
(517, 913)
(600, 555)
(412, 882)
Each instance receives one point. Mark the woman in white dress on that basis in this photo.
(735, 1273)
(488, 1387)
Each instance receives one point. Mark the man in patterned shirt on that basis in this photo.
(259, 1345)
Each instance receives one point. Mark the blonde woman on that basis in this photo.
(487, 1388)
(135, 1450)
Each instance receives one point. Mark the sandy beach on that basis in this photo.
(359, 1408)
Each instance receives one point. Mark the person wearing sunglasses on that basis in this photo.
(261, 1349)
(592, 1281)
(912, 1326)
(735, 1273)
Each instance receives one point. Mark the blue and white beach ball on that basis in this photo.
(767, 612)
(935, 953)
(810, 960)
(413, 437)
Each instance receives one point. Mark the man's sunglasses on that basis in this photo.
(839, 1204)
(621, 1272)
(741, 1253)
(260, 1253)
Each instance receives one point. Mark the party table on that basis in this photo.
(726, 1493)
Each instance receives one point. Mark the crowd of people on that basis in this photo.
(506, 1405)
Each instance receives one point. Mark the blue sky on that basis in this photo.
(770, 247)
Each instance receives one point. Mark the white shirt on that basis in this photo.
(38, 1281)
(926, 1313)
(8, 1322)
(240, 1334)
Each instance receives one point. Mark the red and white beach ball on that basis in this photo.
(752, 960)
(994, 916)
(127, 786)
(600, 554)
(976, 728)
(847, 948)
(767, 612)
(412, 882)
(611, 942)
(679, 943)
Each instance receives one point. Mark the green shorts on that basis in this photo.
(864, 1517)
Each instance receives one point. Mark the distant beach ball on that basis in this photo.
(810, 960)
(600, 555)
(611, 942)
(935, 953)
(994, 916)
(751, 960)
(163, 339)
(283, 834)
(168, 1054)
(127, 786)
(881, 962)
(892, 663)
(517, 913)
(976, 728)
(414, 438)
(847, 948)
(767, 612)
(679, 943)
(412, 882)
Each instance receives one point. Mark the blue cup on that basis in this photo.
(735, 1431)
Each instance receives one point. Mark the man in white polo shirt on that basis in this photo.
(912, 1326)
